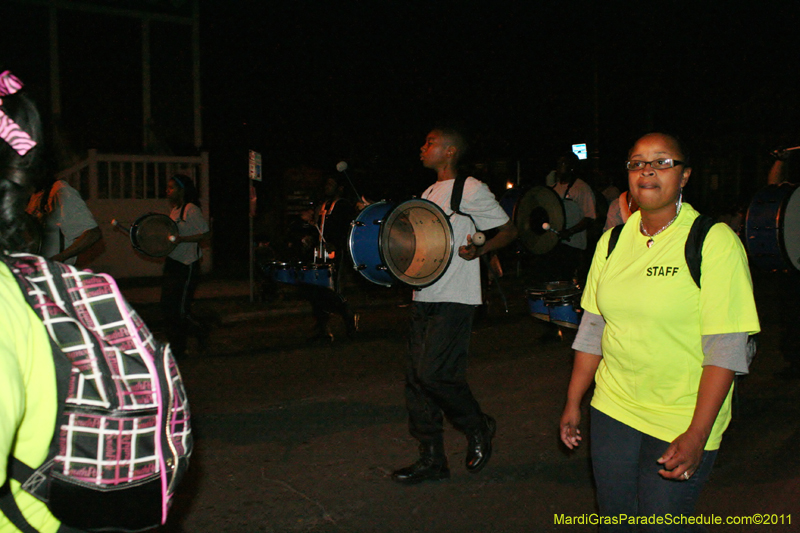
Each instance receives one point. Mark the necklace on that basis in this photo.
(650, 241)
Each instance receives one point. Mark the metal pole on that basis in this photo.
(198, 115)
(146, 97)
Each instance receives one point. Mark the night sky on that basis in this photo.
(316, 82)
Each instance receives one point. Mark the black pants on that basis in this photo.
(177, 294)
(436, 384)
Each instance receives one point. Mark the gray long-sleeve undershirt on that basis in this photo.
(726, 350)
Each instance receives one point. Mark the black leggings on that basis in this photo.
(177, 293)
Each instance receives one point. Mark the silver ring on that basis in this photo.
(686, 475)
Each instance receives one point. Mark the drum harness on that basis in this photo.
(455, 205)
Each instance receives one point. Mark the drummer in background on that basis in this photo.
(568, 260)
(660, 352)
(68, 226)
(441, 321)
(789, 295)
(182, 265)
(332, 217)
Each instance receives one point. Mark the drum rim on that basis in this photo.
(520, 192)
(317, 266)
(134, 231)
(450, 235)
(551, 191)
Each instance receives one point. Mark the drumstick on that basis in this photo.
(546, 226)
(116, 224)
(478, 238)
(341, 166)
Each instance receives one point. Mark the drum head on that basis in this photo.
(416, 242)
(150, 235)
(790, 231)
(538, 206)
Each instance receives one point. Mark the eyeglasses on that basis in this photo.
(656, 164)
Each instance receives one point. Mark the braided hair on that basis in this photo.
(19, 174)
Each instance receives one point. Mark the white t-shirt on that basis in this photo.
(193, 223)
(461, 282)
(66, 213)
(578, 205)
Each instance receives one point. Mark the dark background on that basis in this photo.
(311, 83)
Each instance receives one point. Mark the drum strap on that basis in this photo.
(455, 206)
(456, 195)
(569, 186)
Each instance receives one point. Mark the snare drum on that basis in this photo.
(281, 272)
(772, 227)
(410, 242)
(538, 309)
(557, 302)
(565, 312)
(319, 274)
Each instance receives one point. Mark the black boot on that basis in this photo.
(431, 466)
(479, 444)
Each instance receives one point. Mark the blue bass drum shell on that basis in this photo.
(411, 243)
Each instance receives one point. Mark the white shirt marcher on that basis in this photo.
(192, 223)
(461, 282)
(65, 214)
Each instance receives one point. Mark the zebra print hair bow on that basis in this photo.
(10, 132)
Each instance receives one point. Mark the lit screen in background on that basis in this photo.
(580, 150)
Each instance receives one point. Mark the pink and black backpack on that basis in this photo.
(123, 436)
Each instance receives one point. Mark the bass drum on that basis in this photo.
(410, 242)
(772, 227)
(151, 233)
(530, 209)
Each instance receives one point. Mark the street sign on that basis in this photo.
(255, 166)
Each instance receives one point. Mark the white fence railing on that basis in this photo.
(125, 187)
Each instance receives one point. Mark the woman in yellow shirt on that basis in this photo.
(661, 352)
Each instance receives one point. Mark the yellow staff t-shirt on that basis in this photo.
(27, 397)
(655, 318)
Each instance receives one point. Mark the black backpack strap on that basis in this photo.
(693, 250)
(458, 192)
(455, 199)
(613, 238)
(9, 507)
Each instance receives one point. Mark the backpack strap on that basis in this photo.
(9, 507)
(612, 240)
(693, 250)
(457, 194)
(455, 199)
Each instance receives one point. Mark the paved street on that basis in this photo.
(298, 437)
